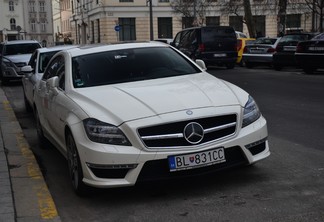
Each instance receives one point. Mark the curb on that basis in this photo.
(31, 198)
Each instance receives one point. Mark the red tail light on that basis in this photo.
(245, 50)
(239, 44)
(271, 50)
(201, 47)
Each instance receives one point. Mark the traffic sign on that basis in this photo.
(117, 28)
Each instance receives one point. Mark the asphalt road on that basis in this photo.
(288, 186)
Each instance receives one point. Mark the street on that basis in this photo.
(287, 186)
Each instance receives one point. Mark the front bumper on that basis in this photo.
(259, 58)
(117, 166)
(310, 60)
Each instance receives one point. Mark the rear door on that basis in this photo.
(219, 40)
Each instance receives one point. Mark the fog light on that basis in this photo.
(257, 147)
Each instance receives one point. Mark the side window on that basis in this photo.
(1, 47)
(61, 75)
(187, 38)
(32, 61)
(177, 39)
(53, 67)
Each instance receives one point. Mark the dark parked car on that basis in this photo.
(286, 48)
(260, 52)
(215, 45)
(310, 54)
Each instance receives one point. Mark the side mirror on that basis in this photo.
(27, 70)
(201, 64)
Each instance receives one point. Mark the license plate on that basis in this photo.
(289, 48)
(256, 50)
(195, 160)
(314, 48)
(220, 55)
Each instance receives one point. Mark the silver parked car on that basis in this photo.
(13, 56)
(260, 52)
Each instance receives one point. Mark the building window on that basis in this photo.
(98, 29)
(31, 6)
(165, 28)
(236, 22)
(162, 1)
(33, 25)
(43, 26)
(187, 22)
(293, 21)
(42, 6)
(212, 20)
(11, 6)
(260, 24)
(127, 29)
(12, 24)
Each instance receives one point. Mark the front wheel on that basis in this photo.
(74, 164)
(230, 65)
(277, 67)
(27, 105)
(39, 129)
(309, 70)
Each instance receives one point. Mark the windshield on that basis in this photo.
(17, 49)
(266, 41)
(128, 65)
(319, 37)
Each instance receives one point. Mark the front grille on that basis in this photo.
(172, 134)
(159, 169)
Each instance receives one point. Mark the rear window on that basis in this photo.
(266, 41)
(209, 34)
(16, 49)
(288, 38)
(319, 37)
(129, 65)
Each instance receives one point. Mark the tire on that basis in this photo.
(309, 70)
(249, 65)
(27, 105)
(43, 141)
(74, 165)
(230, 65)
(277, 67)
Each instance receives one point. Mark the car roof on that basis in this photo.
(95, 48)
(14, 42)
(55, 48)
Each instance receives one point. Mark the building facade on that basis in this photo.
(12, 25)
(106, 21)
(27, 19)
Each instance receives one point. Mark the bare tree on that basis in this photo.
(192, 9)
(281, 21)
(249, 19)
(317, 8)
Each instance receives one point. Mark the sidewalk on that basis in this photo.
(24, 196)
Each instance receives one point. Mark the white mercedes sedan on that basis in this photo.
(130, 112)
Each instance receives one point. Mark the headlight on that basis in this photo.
(7, 62)
(101, 132)
(251, 112)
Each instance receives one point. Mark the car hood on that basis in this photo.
(19, 58)
(120, 103)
